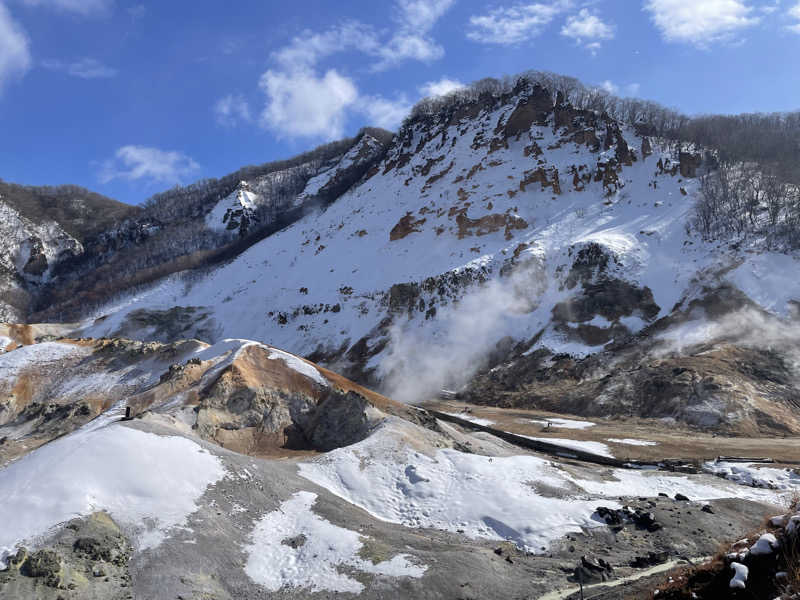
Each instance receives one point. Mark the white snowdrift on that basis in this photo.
(146, 482)
(316, 561)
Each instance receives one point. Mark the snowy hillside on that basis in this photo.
(491, 224)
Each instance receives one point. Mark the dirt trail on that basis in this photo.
(589, 590)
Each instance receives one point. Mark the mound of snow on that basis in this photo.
(146, 482)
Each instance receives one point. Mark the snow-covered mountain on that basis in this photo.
(489, 230)
(572, 383)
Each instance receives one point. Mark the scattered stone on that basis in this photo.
(593, 570)
(652, 559)
(681, 498)
(707, 509)
(295, 542)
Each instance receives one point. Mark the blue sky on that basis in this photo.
(131, 97)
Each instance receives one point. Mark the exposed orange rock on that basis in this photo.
(488, 224)
(405, 226)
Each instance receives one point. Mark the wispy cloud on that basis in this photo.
(231, 110)
(15, 54)
(588, 30)
(412, 40)
(135, 163)
(442, 87)
(701, 22)
(515, 24)
(86, 8)
(794, 13)
(85, 68)
(631, 89)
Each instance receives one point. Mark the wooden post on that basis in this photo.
(580, 578)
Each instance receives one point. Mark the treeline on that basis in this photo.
(746, 200)
(659, 120)
(80, 212)
(772, 140)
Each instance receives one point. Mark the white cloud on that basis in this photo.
(141, 162)
(440, 88)
(15, 54)
(631, 89)
(700, 22)
(415, 18)
(308, 48)
(515, 24)
(382, 112)
(610, 86)
(81, 7)
(85, 68)
(588, 29)
(770, 8)
(794, 13)
(301, 103)
(232, 109)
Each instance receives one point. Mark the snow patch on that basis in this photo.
(598, 448)
(739, 579)
(560, 423)
(298, 365)
(632, 442)
(471, 419)
(315, 559)
(766, 544)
